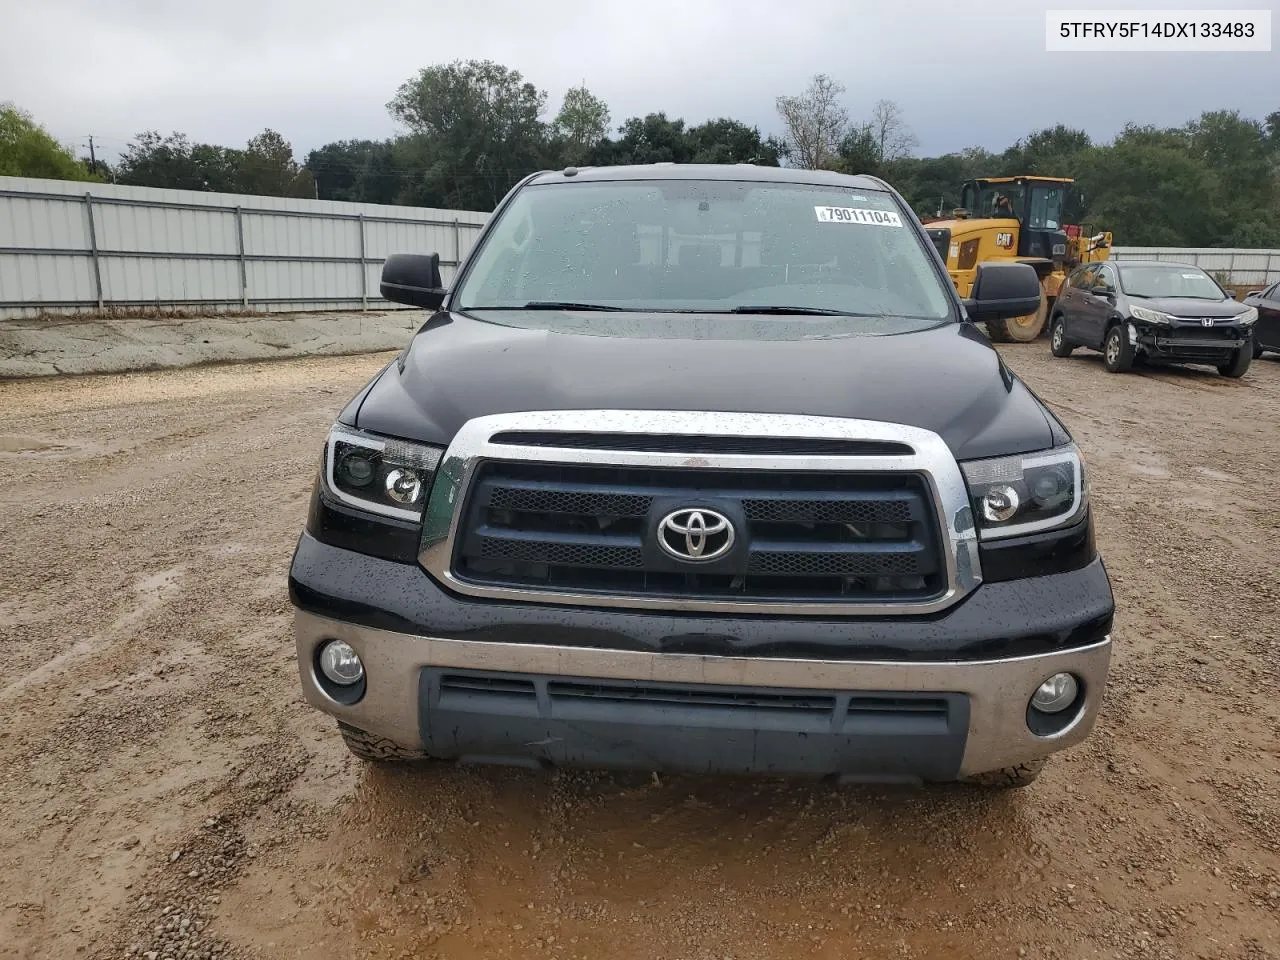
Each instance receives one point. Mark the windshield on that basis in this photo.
(1175, 280)
(987, 202)
(707, 246)
(1046, 208)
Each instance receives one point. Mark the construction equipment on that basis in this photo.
(1023, 219)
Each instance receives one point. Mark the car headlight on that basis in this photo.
(1248, 318)
(379, 474)
(1027, 493)
(1151, 316)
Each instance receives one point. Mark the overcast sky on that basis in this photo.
(318, 70)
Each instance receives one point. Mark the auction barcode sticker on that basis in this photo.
(879, 218)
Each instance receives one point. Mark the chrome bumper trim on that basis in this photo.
(998, 690)
(932, 459)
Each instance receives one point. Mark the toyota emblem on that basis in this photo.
(695, 535)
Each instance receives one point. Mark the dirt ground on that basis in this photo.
(164, 791)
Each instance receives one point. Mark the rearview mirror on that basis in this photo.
(413, 278)
(1003, 290)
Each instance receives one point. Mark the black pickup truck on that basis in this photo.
(704, 468)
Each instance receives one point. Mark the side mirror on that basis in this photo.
(413, 278)
(1003, 290)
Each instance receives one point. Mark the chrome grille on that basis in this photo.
(807, 535)
(842, 517)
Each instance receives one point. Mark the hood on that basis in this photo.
(1187, 307)
(947, 378)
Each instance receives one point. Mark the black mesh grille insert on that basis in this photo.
(832, 510)
(799, 536)
(587, 502)
(569, 554)
(837, 564)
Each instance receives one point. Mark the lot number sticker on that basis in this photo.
(877, 218)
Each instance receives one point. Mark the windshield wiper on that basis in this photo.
(557, 305)
(794, 311)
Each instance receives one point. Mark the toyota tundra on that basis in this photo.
(708, 469)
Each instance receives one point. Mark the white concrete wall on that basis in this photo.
(67, 246)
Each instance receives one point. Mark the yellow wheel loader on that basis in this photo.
(1022, 219)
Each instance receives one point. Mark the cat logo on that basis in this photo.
(1004, 239)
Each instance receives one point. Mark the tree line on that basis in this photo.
(471, 129)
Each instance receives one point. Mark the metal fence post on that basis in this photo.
(244, 273)
(457, 246)
(364, 268)
(93, 249)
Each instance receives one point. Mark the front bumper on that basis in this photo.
(463, 699)
(1190, 342)
(920, 698)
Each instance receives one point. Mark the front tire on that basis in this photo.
(1009, 778)
(1117, 351)
(1238, 365)
(1058, 345)
(374, 749)
(1021, 329)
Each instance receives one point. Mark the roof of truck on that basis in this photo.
(708, 171)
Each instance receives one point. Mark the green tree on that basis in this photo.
(1237, 150)
(219, 167)
(583, 121)
(653, 138)
(730, 141)
(1051, 152)
(932, 184)
(152, 160)
(359, 171)
(479, 127)
(1273, 130)
(27, 150)
(267, 168)
(859, 152)
(1150, 192)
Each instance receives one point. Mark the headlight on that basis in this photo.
(1151, 316)
(1013, 496)
(1248, 317)
(378, 474)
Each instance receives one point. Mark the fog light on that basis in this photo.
(1000, 503)
(1056, 694)
(340, 663)
(403, 486)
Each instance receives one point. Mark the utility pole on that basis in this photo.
(93, 159)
